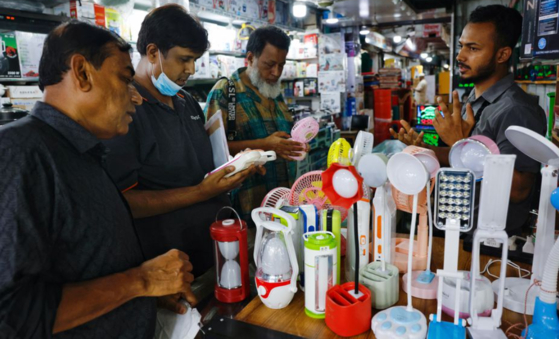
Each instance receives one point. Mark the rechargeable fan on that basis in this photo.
(342, 153)
(339, 152)
(363, 145)
(276, 198)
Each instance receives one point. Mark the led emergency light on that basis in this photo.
(274, 255)
(454, 194)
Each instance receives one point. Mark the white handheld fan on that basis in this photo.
(277, 198)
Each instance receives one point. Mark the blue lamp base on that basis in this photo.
(446, 330)
(544, 322)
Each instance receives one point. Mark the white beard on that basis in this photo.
(267, 90)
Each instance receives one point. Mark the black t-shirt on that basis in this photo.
(62, 220)
(167, 149)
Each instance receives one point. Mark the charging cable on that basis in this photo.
(522, 273)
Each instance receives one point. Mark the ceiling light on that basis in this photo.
(395, 2)
(446, 66)
(364, 30)
(299, 9)
(397, 15)
(424, 55)
(397, 39)
(403, 7)
(429, 59)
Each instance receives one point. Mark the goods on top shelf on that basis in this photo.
(390, 77)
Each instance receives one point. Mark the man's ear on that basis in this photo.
(504, 54)
(250, 58)
(80, 71)
(152, 53)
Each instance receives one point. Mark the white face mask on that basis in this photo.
(163, 84)
(267, 90)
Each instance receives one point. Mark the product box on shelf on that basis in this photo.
(24, 96)
(301, 69)
(331, 43)
(331, 81)
(9, 56)
(529, 22)
(331, 101)
(30, 46)
(310, 87)
(546, 40)
(310, 45)
(202, 67)
(82, 10)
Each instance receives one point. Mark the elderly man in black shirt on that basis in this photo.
(70, 261)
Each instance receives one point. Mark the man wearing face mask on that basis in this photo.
(262, 120)
(161, 163)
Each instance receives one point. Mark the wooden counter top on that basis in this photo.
(293, 320)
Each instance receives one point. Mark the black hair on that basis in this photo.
(75, 37)
(267, 35)
(169, 26)
(507, 22)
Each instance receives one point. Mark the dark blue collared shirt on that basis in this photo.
(62, 220)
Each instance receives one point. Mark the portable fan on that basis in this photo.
(307, 190)
(339, 152)
(276, 198)
(342, 153)
(363, 145)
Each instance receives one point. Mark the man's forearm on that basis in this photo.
(149, 203)
(238, 146)
(84, 301)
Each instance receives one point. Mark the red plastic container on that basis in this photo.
(345, 315)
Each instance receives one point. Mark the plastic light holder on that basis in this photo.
(345, 315)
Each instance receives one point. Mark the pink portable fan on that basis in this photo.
(276, 198)
(307, 190)
(304, 131)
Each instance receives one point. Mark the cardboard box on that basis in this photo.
(87, 11)
(546, 43)
(24, 92)
(9, 56)
(529, 22)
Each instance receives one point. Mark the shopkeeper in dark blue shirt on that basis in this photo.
(160, 165)
(70, 261)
